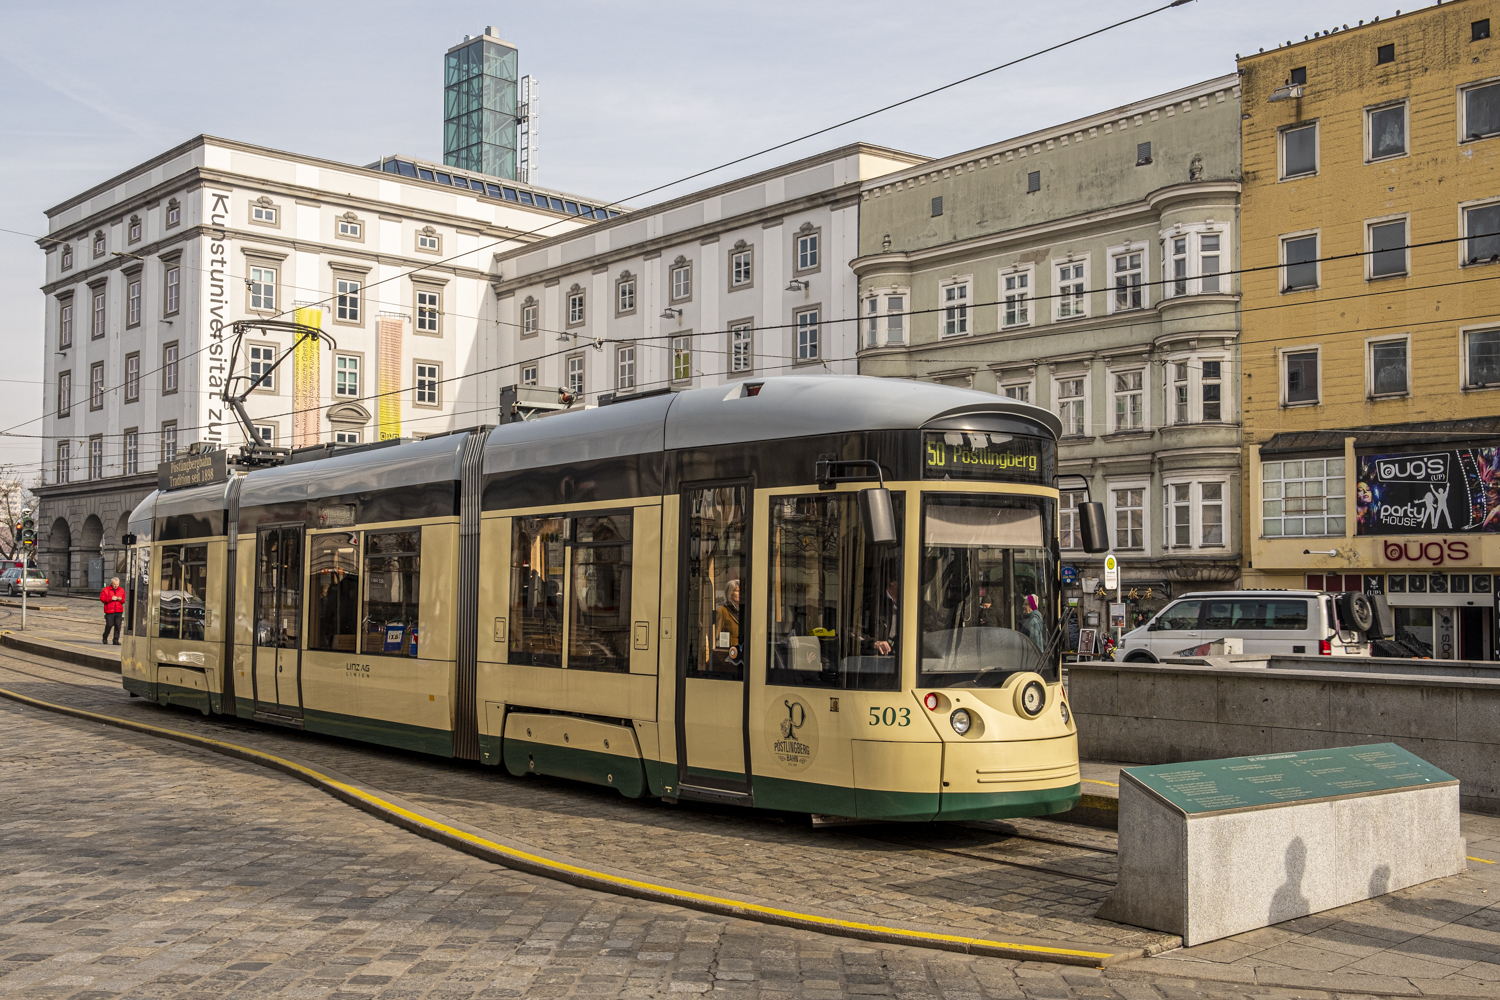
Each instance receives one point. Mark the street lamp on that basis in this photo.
(798, 285)
(671, 313)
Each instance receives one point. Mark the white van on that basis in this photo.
(1268, 622)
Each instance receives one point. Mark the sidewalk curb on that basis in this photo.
(488, 847)
(59, 651)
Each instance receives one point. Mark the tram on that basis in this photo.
(825, 594)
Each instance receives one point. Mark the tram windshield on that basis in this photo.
(986, 603)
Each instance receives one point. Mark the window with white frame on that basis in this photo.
(1071, 281)
(65, 324)
(96, 386)
(809, 251)
(682, 358)
(64, 470)
(172, 299)
(1299, 377)
(350, 229)
(741, 348)
(1015, 291)
(1387, 130)
(1481, 359)
(1211, 390)
(1194, 515)
(132, 452)
(169, 368)
(1387, 248)
(174, 213)
(1179, 515)
(1299, 258)
(133, 300)
(955, 316)
(132, 377)
(528, 374)
(429, 310)
(1482, 234)
(267, 433)
(1208, 262)
(1177, 259)
(347, 310)
(1130, 401)
(64, 393)
(169, 440)
(96, 328)
(133, 231)
(262, 358)
(263, 288)
(1019, 391)
(575, 374)
(528, 318)
(99, 244)
(741, 268)
(429, 240)
(263, 213)
(67, 258)
(427, 378)
(1389, 367)
(346, 375)
(625, 296)
(1482, 112)
(885, 318)
(1069, 536)
(1302, 497)
(1130, 517)
(346, 437)
(625, 367)
(808, 331)
(1070, 400)
(682, 282)
(575, 306)
(1180, 392)
(1211, 514)
(1299, 150)
(1128, 271)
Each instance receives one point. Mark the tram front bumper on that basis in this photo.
(999, 780)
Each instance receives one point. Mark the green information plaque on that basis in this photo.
(1271, 779)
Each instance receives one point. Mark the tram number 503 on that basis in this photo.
(890, 716)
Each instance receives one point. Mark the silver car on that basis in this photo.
(36, 582)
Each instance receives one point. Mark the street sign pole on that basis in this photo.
(25, 575)
(1112, 582)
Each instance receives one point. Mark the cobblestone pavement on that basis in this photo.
(1442, 938)
(136, 867)
(896, 872)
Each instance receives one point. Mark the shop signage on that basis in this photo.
(198, 469)
(1069, 576)
(1427, 552)
(1117, 616)
(1440, 492)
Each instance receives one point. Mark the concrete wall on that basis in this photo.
(1166, 713)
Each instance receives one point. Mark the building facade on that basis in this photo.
(1087, 268)
(746, 279)
(1371, 227)
(146, 272)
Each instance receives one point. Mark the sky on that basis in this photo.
(633, 95)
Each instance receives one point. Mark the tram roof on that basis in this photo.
(787, 406)
(414, 463)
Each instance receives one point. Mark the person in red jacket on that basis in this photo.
(113, 597)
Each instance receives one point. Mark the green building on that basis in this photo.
(480, 107)
(1085, 268)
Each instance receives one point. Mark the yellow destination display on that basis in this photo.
(1271, 779)
(978, 455)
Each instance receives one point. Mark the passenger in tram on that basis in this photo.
(727, 622)
(888, 622)
(1032, 623)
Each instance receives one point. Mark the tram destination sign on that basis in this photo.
(978, 455)
(192, 470)
(1203, 786)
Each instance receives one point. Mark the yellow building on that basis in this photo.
(1371, 330)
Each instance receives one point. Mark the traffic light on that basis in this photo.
(28, 531)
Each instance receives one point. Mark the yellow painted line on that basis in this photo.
(1483, 861)
(1095, 781)
(453, 833)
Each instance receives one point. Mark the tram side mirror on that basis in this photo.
(1091, 523)
(878, 515)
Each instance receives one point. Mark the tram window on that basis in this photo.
(1251, 615)
(393, 565)
(987, 605)
(335, 587)
(142, 586)
(570, 592)
(184, 583)
(713, 623)
(835, 601)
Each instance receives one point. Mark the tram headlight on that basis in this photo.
(960, 720)
(1033, 698)
(1066, 715)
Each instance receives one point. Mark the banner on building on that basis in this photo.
(389, 382)
(307, 395)
(1437, 492)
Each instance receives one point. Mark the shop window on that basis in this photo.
(393, 566)
(1303, 497)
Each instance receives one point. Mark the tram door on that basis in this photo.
(714, 590)
(278, 622)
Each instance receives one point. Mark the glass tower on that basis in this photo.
(479, 106)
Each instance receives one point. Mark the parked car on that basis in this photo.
(1266, 621)
(36, 582)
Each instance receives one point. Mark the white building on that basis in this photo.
(147, 271)
(746, 279)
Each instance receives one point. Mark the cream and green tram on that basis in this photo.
(819, 594)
